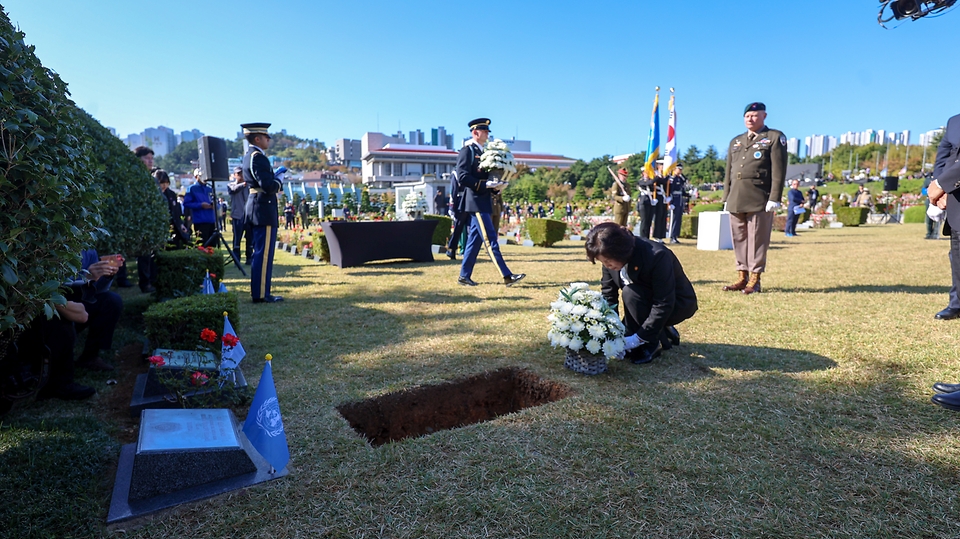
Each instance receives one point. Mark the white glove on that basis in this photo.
(771, 205)
(724, 206)
(670, 207)
(632, 342)
(934, 213)
(653, 201)
(626, 198)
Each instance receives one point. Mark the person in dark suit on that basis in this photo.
(477, 203)
(794, 201)
(656, 293)
(180, 234)
(752, 189)
(261, 210)
(645, 204)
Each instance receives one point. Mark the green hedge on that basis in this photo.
(135, 212)
(442, 233)
(180, 273)
(915, 214)
(177, 323)
(852, 216)
(545, 232)
(689, 225)
(49, 210)
(715, 206)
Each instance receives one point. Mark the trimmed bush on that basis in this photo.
(852, 216)
(134, 213)
(688, 226)
(804, 217)
(915, 214)
(442, 233)
(321, 247)
(180, 273)
(49, 210)
(177, 323)
(545, 232)
(715, 206)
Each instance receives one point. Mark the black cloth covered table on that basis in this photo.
(353, 243)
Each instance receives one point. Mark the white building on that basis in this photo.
(927, 138)
(793, 146)
(389, 159)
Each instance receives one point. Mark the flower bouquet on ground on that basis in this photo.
(589, 329)
(498, 160)
(194, 380)
(414, 205)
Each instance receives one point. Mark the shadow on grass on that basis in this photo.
(872, 289)
(754, 358)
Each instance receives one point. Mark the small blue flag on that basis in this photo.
(230, 356)
(207, 284)
(264, 426)
(223, 288)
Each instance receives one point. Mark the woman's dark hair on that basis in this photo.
(610, 240)
(161, 176)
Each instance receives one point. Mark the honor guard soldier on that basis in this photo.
(752, 189)
(261, 210)
(476, 202)
(678, 183)
(621, 198)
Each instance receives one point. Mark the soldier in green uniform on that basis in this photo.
(752, 189)
(621, 198)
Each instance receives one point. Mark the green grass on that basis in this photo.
(799, 412)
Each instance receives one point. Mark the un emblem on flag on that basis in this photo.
(268, 417)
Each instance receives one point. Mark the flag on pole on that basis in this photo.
(653, 140)
(208, 284)
(264, 426)
(223, 288)
(670, 152)
(231, 351)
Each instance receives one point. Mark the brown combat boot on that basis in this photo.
(753, 285)
(740, 283)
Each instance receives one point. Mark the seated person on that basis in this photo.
(656, 293)
(103, 308)
(58, 336)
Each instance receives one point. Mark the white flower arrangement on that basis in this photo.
(582, 320)
(414, 204)
(497, 155)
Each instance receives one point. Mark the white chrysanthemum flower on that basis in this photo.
(575, 344)
(562, 325)
(566, 308)
(594, 314)
(610, 349)
(597, 331)
(564, 340)
(577, 326)
(593, 346)
(578, 310)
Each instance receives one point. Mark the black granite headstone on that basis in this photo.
(182, 456)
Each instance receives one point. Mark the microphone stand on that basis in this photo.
(217, 236)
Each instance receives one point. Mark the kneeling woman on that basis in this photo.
(656, 293)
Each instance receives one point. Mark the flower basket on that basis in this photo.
(585, 362)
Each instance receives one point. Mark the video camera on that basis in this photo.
(911, 9)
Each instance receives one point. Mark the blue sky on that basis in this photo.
(576, 78)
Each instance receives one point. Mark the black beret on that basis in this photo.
(754, 107)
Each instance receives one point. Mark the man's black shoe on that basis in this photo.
(513, 279)
(68, 392)
(644, 354)
(947, 314)
(673, 335)
(148, 290)
(466, 281)
(942, 387)
(95, 364)
(948, 400)
(246, 262)
(268, 299)
(451, 254)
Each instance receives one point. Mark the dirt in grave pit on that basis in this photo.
(115, 403)
(425, 410)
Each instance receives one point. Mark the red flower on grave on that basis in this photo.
(157, 361)
(208, 335)
(230, 340)
(213, 275)
(198, 378)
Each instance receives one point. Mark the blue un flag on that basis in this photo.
(264, 426)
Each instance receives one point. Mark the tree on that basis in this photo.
(181, 159)
(691, 157)
(580, 194)
(365, 205)
(49, 210)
